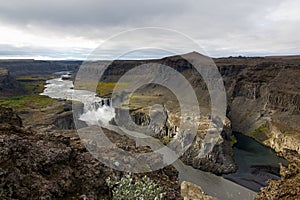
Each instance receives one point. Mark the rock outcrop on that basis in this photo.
(280, 139)
(7, 116)
(8, 85)
(55, 165)
(190, 191)
(65, 120)
(263, 92)
(288, 187)
(218, 161)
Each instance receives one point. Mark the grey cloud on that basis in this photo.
(226, 27)
(88, 12)
(34, 52)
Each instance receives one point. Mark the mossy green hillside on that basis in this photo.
(33, 84)
(33, 101)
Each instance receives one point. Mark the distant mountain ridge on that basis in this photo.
(38, 67)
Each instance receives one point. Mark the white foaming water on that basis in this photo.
(101, 115)
(94, 112)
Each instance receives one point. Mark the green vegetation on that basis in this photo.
(33, 78)
(26, 101)
(140, 189)
(33, 84)
(105, 89)
(277, 150)
(233, 140)
(35, 87)
(262, 133)
(165, 140)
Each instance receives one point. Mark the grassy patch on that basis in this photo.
(27, 101)
(33, 84)
(165, 140)
(34, 87)
(33, 78)
(105, 89)
(277, 150)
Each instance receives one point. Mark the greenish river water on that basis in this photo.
(256, 163)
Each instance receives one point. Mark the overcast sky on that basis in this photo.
(71, 29)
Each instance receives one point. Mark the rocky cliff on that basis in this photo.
(288, 187)
(8, 85)
(44, 164)
(263, 96)
(218, 161)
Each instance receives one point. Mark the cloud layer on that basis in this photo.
(72, 29)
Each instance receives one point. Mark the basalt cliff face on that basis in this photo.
(8, 85)
(219, 160)
(264, 98)
(263, 94)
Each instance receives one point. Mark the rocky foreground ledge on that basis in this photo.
(288, 187)
(55, 165)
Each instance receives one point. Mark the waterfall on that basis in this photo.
(97, 110)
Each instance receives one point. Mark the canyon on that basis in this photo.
(263, 102)
(263, 94)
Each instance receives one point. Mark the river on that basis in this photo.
(256, 163)
(213, 185)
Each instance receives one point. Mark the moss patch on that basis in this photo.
(34, 87)
(33, 84)
(105, 89)
(262, 133)
(33, 78)
(27, 101)
(233, 140)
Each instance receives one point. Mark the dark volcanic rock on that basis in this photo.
(218, 161)
(8, 85)
(288, 187)
(55, 165)
(65, 120)
(7, 116)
